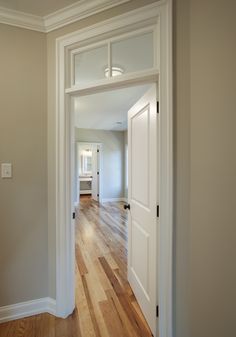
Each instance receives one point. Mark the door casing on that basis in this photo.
(158, 12)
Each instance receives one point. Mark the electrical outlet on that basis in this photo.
(6, 169)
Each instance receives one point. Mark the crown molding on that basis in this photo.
(75, 12)
(21, 19)
(78, 11)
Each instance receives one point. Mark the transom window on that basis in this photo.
(122, 55)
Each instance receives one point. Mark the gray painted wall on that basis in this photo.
(23, 142)
(112, 159)
(205, 167)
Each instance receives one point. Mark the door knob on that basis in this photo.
(127, 206)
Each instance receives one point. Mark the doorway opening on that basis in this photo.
(111, 40)
(113, 243)
(101, 143)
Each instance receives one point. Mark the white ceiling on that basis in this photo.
(36, 7)
(103, 110)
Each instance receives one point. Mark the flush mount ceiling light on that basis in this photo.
(87, 153)
(115, 71)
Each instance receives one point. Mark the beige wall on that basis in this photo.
(23, 142)
(181, 130)
(213, 168)
(205, 162)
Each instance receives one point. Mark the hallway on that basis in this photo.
(108, 306)
(105, 303)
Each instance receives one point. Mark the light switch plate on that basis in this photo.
(6, 171)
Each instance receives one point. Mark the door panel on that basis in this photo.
(140, 155)
(143, 199)
(140, 253)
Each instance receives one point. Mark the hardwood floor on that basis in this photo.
(105, 303)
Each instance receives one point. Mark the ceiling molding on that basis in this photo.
(75, 12)
(78, 11)
(21, 19)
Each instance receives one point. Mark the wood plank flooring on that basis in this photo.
(105, 303)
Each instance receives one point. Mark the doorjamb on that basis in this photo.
(65, 254)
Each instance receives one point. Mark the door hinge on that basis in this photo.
(97, 150)
(157, 107)
(157, 311)
(158, 211)
(97, 172)
(73, 215)
(97, 195)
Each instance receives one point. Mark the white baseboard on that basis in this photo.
(26, 309)
(114, 199)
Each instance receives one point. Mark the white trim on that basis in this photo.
(62, 17)
(21, 19)
(26, 309)
(105, 42)
(161, 12)
(113, 199)
(139, 16)
(135, 78)
(78, 11)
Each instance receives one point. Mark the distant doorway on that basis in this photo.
(87, 170)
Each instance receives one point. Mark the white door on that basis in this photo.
(143, 167)
(99, 148)
(95, 179)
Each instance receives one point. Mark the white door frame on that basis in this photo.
(159, 12)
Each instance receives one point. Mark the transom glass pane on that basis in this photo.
(128, 55)
(132, 54)
(90, 65)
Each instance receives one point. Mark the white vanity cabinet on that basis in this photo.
(85, 184)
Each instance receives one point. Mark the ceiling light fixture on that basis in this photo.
(87, 153)
(115, 71)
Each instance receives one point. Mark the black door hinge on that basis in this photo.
(73, 215)
(157, 311)
(97, 150)
(97, 195)
(158, 211)
(97, 172)
(157, 107)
